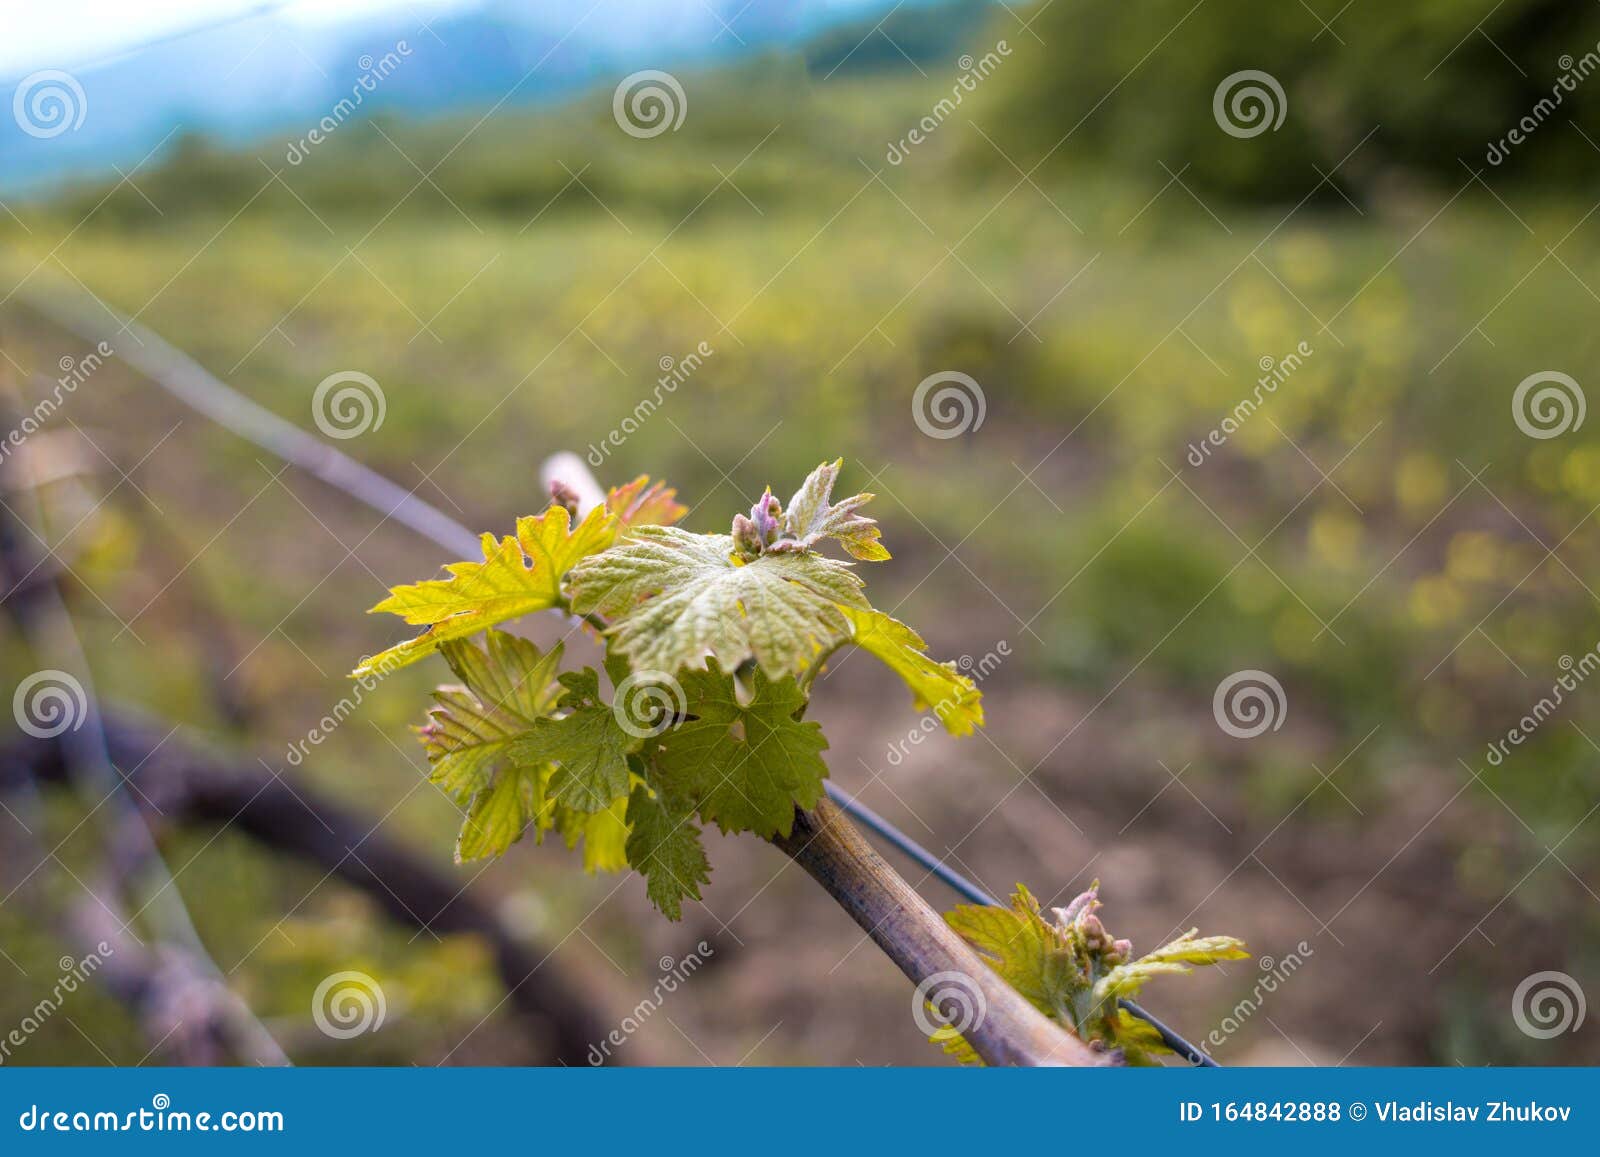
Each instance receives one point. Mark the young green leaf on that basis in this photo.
(587, 744)
(664, 847)
(953, 697)
(1175, 957)
(508, 685)
(604, 834)
(1024, 949)
(516, 577)
(678, 599)
(496, 749)
(746, 768)
(1073, 971)
(500, 813)
(812, 516)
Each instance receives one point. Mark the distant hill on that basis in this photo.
(266, 75)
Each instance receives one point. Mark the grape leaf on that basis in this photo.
(500, 813)
(746, 767)
(518, 575)
(955, 699)
(1171, 958)
(640, 503)
(604, 834)
(494, 747)
(587, 744)
(1073, 971)
(678, 599)
(508, 685)
(664, 847)
(1025, 950)
(811, 517)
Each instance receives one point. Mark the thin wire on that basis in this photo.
(194, 385)
(972, 891)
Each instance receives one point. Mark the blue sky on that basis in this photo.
(37, 34)
(67, 33)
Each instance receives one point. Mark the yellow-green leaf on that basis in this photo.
(499, 814)
(518, 575)
(471, 734)
(604, 834)
(954, 698)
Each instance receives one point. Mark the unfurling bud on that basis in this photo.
(767, 514)
(1095, 937)
(746, 538)
(563, 495)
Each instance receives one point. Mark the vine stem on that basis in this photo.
(1004, 1028)
(823, 841)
